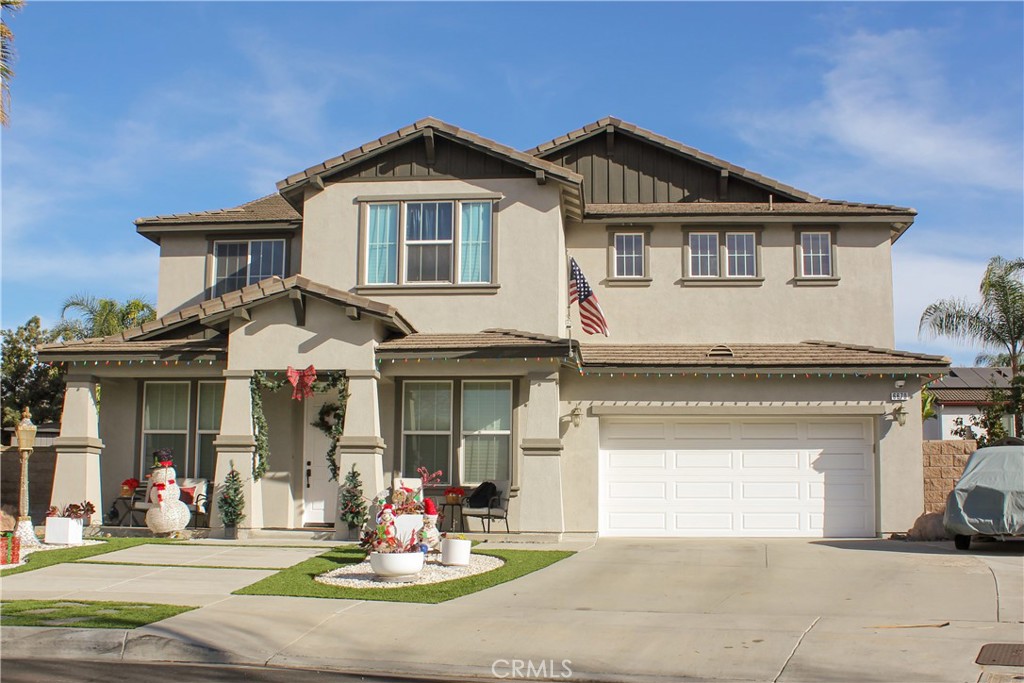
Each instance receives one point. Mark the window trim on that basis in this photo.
(446, 477)
(211, 276)
(722, 278)
(503, 432)
(799, 278)
(401, 276)
(143, 455)
(724, 246)
(645, 255)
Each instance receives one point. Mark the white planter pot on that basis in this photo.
(455, 552)
(63, 531)
(396, 564)
(407, 526)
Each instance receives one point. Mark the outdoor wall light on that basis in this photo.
(899, 413)
(576, 415)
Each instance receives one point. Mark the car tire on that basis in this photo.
(962, 542)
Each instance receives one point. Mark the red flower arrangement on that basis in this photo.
(455, 491)
(131, 483)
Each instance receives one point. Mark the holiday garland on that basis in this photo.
(331, 419)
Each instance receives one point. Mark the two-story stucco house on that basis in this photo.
(746, 389)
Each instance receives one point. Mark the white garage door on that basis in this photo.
(737, 477)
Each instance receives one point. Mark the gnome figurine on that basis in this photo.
(429, 536)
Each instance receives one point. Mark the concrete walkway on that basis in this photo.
(751, 610)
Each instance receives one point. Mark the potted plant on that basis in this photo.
(353, 507)
(455, 550)
(392, 558)
(454, 494)
(64, 526)
(231, 503)
(128, 487)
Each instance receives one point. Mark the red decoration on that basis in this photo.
(10, 549)
(302, 380)
(429, 508)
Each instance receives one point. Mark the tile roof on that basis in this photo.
(416, 129)
(474, 341)
(149, 348)
(825, 207)
(268, 289)
(973, 378)
(969, 396)
(272, 208)
(596, 127)
(809, 354)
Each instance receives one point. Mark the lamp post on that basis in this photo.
(26, 433)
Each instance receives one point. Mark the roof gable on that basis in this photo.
(624, 164)
(442, 150)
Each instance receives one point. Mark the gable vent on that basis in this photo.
(719, 351)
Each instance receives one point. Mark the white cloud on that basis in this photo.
(884, 106)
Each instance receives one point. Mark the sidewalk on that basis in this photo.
(634, 635)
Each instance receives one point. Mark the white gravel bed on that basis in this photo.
(361, 576)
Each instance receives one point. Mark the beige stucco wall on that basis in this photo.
(119, 431)
(858, 310)
(898, 469)
(530, 267)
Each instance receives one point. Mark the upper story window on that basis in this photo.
(429, 242)
(237, 264)
(722, 257)
(629, 254)
(816, 254)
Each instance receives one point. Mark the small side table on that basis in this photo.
(455, 507)
(122, 508)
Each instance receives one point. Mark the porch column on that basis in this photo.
(235, 445)
(540, 480)
(361, 444)
(77, 474)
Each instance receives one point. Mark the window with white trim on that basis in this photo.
(429, 242)
(478, 448)
(740, 255)
(165, 413)
(815, 254)
(703, 254)
(629, 254)
(237, 264)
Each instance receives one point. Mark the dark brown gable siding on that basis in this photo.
(451, 160)
(638, 172)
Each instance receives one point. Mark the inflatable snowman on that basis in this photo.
(168, 513)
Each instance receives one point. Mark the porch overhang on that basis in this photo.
(168, 351)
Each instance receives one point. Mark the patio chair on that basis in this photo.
(497, 508)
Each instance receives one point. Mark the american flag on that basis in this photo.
(591, 315)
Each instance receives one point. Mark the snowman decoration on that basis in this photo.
(168, 513)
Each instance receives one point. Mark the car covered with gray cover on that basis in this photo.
(988, 500)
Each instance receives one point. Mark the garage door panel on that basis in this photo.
(738, 477)
(779, 490)
(770, 459)
(638, 490)
(699, 459)
(769, 430)
(638, 458)
(702, 430)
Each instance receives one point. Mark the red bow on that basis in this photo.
(302, 380)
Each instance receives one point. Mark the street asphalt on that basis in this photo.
(776, 610)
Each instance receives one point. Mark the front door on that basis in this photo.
(319, 494)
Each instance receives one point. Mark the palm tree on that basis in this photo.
(996, 322)
(102, 317)
(6, 57)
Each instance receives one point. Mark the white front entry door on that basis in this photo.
(319, 494)
(737, 477)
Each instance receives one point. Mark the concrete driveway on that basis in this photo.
(751, 610)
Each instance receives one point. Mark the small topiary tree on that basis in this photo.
(353, 505)
(232, 499)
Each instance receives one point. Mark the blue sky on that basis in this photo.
(122, 110)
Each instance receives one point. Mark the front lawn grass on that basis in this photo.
(47, 558)
(84, 613)
(298, 581)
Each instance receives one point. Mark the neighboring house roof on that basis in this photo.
(599, 126)
(416, 130)
(809, 355)
(222, 308)
(492, 341)
(969, 385)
